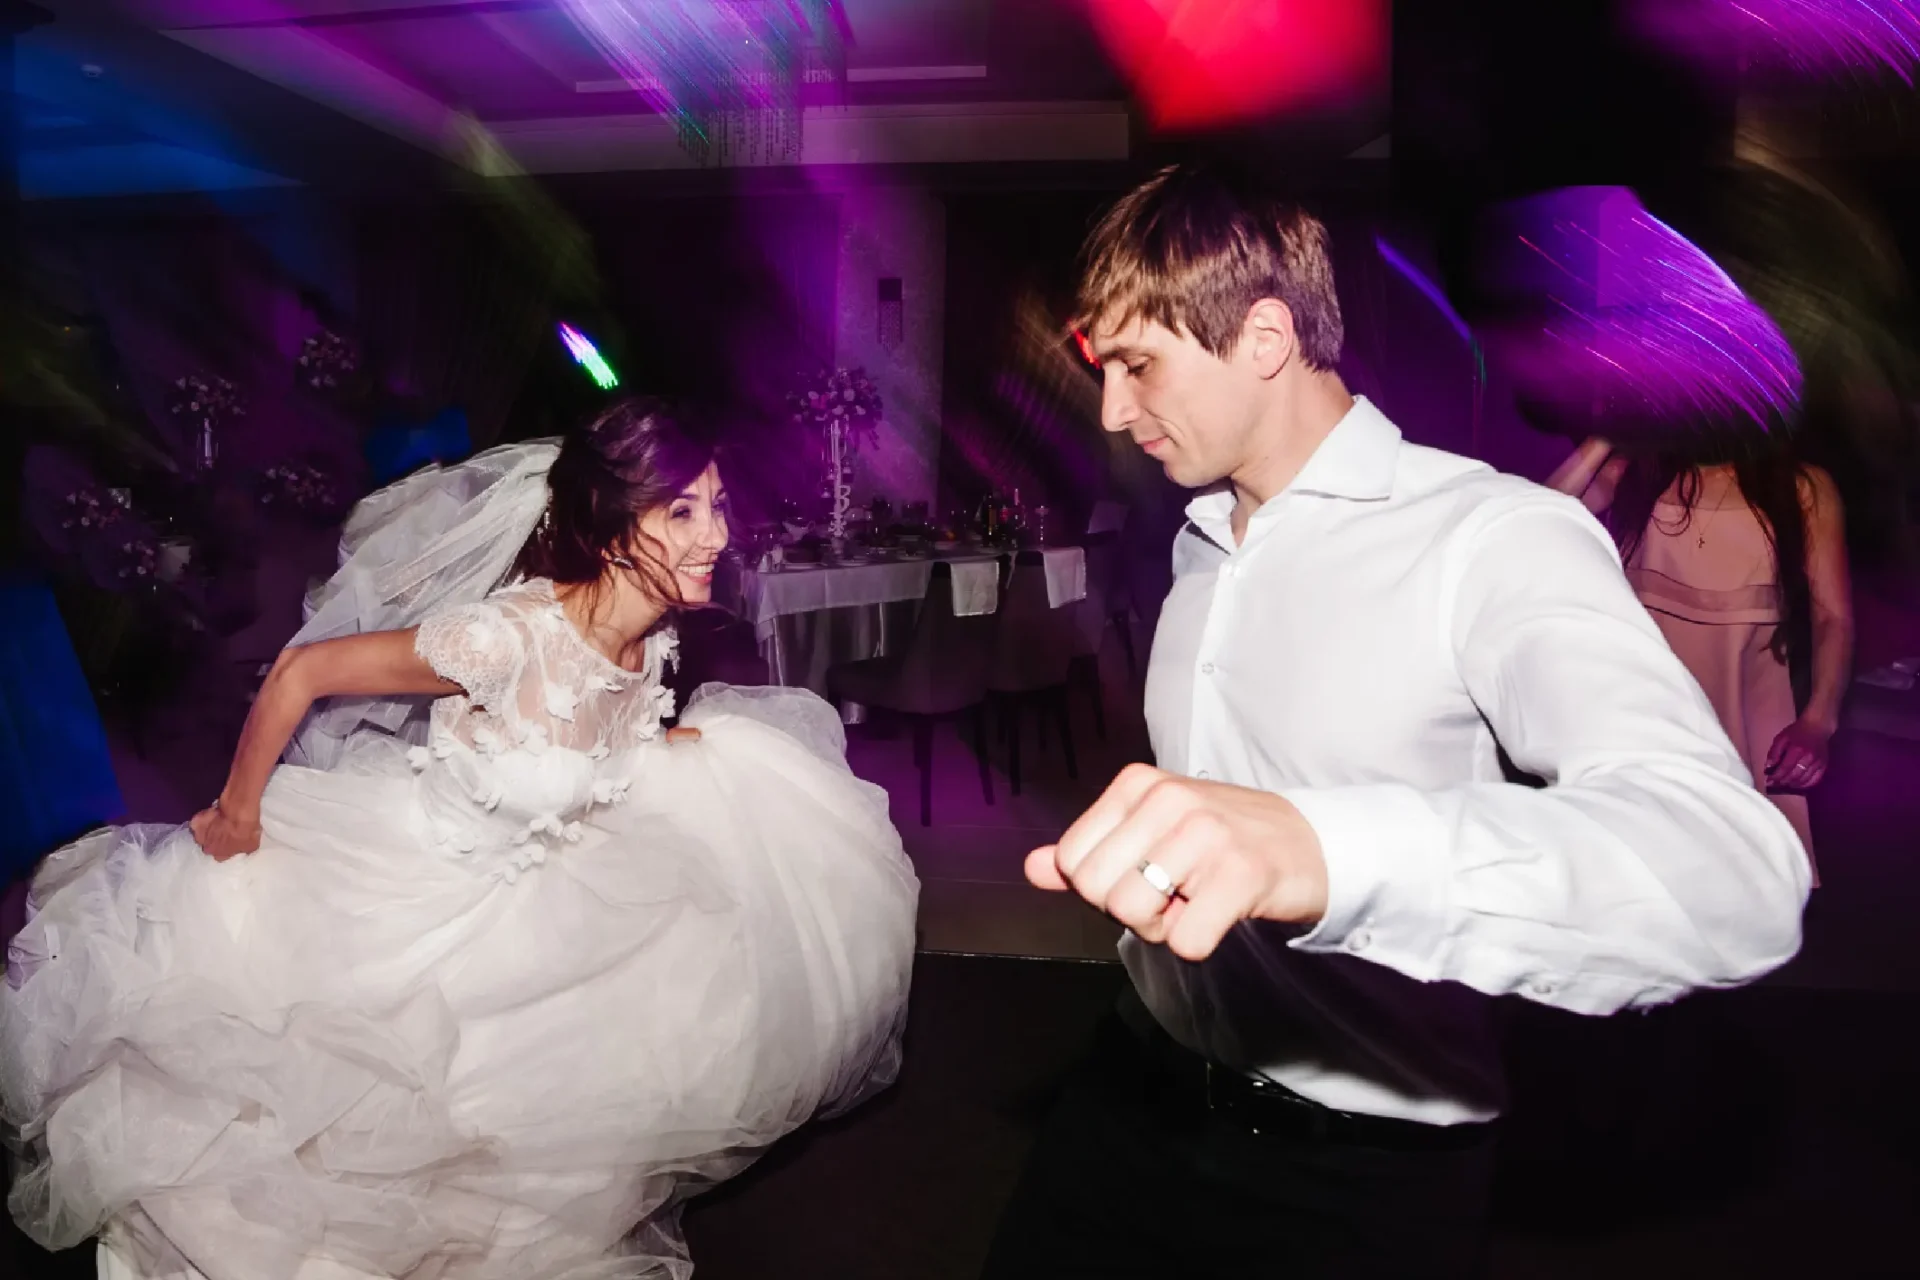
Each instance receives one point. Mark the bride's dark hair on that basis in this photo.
(635, 457)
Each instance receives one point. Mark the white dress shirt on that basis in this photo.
(1387, 619)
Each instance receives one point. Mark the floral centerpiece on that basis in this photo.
(197, 397)
(92, 509)
(118, 548)
(845, 408)
(203, 404)
(843, 397)
(139, 561)
(301, 487)
(326, 361)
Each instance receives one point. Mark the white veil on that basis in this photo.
(442, 536)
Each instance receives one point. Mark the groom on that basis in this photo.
(1326, 877)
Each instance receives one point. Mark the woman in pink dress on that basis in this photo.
(1743, 565)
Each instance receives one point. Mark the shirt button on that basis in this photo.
(1206, 668)
(1543, 986)
(1359, 939)
(1203, 775)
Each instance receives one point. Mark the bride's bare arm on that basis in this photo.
(383, 663)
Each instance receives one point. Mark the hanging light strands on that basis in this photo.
(728, 73)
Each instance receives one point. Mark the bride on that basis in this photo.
(475, 988)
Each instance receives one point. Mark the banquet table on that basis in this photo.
(807, 618)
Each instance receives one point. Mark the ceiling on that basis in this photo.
(107, 108)
(928, 81)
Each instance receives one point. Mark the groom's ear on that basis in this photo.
(1268, 338)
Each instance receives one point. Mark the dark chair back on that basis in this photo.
(1107, 575)
(944, 666)
(1034, 643)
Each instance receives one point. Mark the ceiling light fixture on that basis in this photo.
(728, 73)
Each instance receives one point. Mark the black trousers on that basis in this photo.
(1133, 1175)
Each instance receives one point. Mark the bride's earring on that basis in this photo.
(623, 562)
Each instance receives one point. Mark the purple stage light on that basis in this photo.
(1632, 318)
(1429, 290)
(1810, 36)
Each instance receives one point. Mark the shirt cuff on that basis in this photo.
(1386, 854)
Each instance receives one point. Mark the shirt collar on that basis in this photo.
(1355, 462)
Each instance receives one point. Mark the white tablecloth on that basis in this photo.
(767, 597)
(806, 619)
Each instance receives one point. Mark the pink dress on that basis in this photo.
(1709, 583)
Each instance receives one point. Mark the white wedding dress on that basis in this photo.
(484, 1009)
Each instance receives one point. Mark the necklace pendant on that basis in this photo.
(1703, 540)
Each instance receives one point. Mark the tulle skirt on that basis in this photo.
(346, 1055)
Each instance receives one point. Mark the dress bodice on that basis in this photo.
(541, 734)
(1707, 564)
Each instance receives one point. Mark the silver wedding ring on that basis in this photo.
(1156, 876)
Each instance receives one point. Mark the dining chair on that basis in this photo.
(940, 674)
(1033, 649)
(1108, 604)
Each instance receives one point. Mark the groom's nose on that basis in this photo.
(1118, 408)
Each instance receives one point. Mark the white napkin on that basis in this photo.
(1066, 575)
(976, 587)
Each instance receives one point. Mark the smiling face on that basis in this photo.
(686, 535)
(1193, 412)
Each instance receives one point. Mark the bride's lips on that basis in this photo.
(1155, 446)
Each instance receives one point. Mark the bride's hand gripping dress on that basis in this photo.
(483, 1009)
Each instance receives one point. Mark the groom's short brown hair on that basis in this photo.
(1193, 249)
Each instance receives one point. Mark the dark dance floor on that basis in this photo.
(1768, 1132)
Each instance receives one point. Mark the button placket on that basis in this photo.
(1204, 715)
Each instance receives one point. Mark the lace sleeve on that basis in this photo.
(478, 647)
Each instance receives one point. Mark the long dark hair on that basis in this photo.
(1769, 477)
(634, 458)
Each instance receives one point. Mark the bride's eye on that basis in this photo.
(680, 512)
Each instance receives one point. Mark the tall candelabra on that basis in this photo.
(839, 479)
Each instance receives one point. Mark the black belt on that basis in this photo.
(1263, 1107)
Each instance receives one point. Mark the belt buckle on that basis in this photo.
(1223, 1103)
(1312, 1120)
